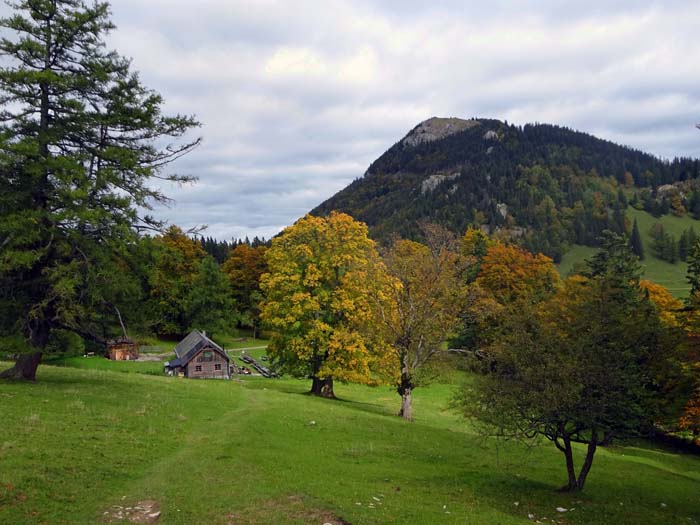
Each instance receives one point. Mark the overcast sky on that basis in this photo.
(297, 97)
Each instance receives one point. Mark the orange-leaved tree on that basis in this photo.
(670, 308)
(502, 278)
(513, 274)
(321, 274)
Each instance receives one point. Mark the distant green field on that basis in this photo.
(101, 363)
(672, 276)
(154, 344)
(80, 446)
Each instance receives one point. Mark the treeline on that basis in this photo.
(220, 250)
(677, 199)
(544, 186)
(179, 283)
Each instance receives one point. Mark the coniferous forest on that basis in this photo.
(545, 186)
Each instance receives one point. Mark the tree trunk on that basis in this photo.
(25, 367)
(405, 390)
(571, 471)
(26, 364)
(576, 484)
(406, 411)
(322, 387)
(585, 469)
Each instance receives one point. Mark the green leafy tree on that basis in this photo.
(209, 304)
(81, 139)
(176, 261)
(579, 367)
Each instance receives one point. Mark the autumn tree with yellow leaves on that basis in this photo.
(421, 308)
(322, 272)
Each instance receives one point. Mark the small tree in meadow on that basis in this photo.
(578, 367)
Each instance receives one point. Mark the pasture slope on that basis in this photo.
(672, 276)
(89, 446)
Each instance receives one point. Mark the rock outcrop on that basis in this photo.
(437, 128)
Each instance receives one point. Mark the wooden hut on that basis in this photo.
(122, 349)
(198, 357)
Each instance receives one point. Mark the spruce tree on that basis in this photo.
(636, 241)
(81, 139)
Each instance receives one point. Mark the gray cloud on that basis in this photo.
(298, 98)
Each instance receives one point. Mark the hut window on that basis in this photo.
(217, 367)
(207, 356)
(198, 368)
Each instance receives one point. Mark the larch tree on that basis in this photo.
(513, 274)
(81, 140)
(321, 273)
(502, 277)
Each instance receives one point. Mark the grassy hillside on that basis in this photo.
(81, 446)
(672, 276)
(576, 255)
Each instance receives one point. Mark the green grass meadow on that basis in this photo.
(254, 451)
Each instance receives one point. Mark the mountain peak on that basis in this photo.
(436, 128)
(545, 186)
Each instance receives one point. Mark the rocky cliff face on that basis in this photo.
(437, 128)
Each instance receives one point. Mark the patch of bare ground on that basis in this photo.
(147, 511)
(9, 495)
(293, 508)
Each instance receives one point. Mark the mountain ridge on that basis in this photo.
(546, 185)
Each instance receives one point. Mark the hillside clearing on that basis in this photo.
(671, 276)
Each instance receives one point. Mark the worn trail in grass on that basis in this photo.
(260, 451)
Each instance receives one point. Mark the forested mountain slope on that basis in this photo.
(547, 186)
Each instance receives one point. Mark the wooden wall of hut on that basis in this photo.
(122, 351)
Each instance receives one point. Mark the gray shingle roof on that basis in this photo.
(190, 346)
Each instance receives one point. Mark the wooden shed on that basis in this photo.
(122, 349)
(198, 357)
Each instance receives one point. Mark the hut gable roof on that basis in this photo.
(191, 345)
